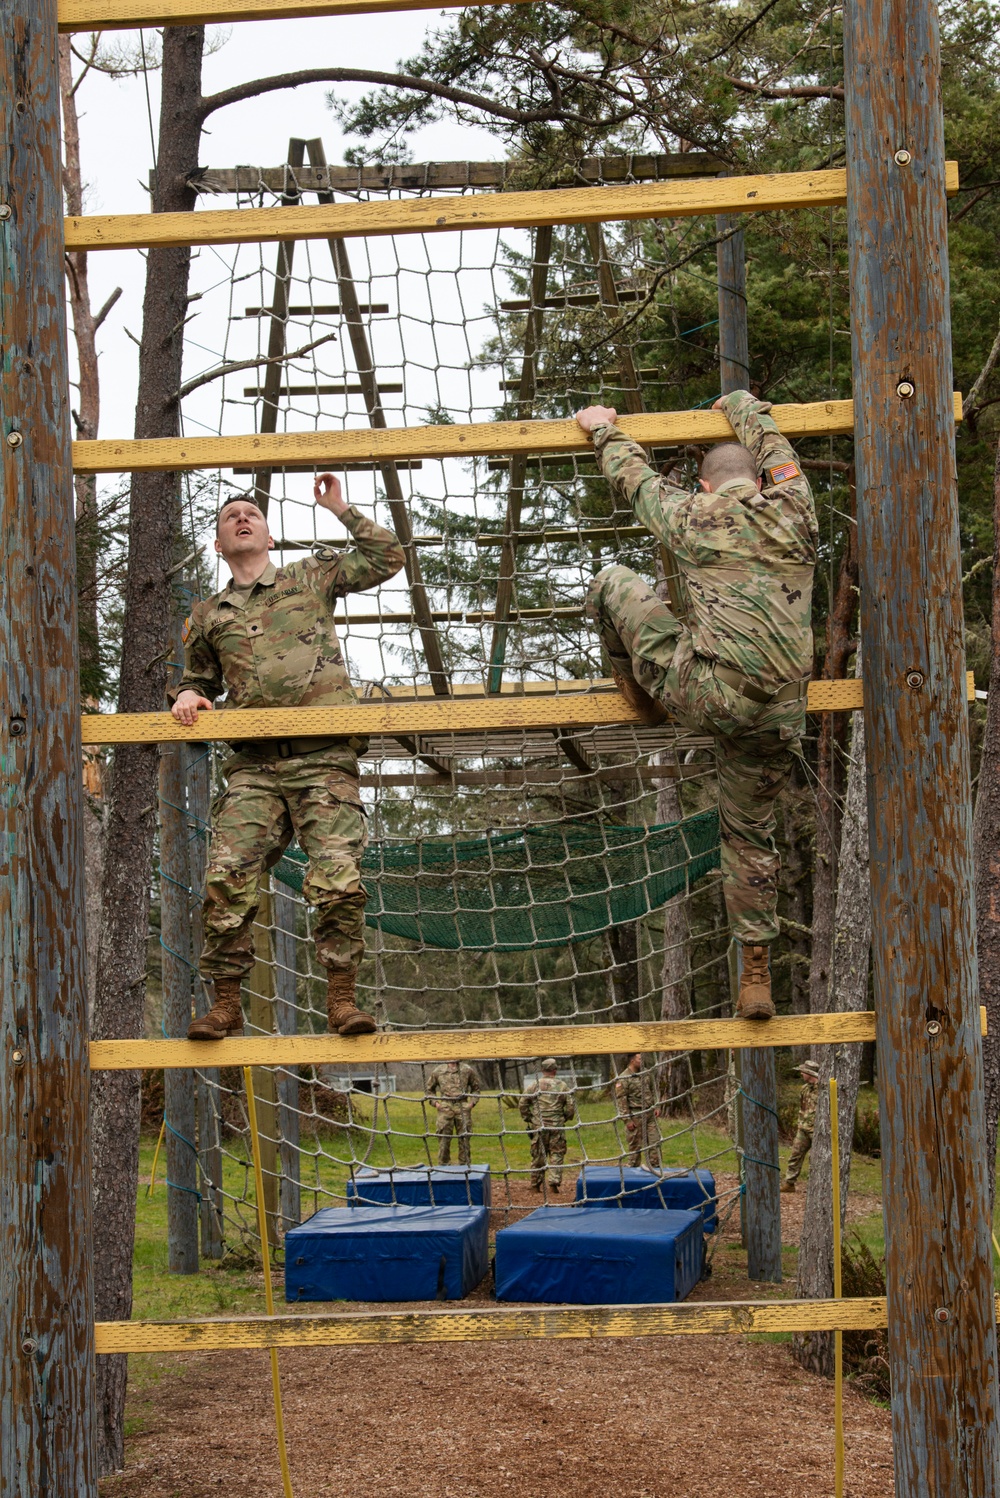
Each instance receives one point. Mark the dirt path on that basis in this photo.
(668, 1417)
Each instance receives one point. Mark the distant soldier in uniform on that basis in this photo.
(547, 1107)
(805, 1124)
(738, 666)
(453, 1088)
(639, 1107)
(268, 640)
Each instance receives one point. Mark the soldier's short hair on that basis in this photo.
(236, 499)
(727, 461)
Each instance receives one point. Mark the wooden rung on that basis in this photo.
(459, 714)
(441, 215)
(353, 1328)
(478, 439)
(513, 1044)
(131, 15)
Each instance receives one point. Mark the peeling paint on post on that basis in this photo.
(46, 1299)
(942, 1338)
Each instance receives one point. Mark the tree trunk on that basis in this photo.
(852, 945)
(675, 974)
(839, 645)
(986, 850)
(154, 527)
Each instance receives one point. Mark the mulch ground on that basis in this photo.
(665, 1417)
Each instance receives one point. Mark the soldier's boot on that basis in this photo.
(225, 1016)
(755, 1000)
(650, 711)
(787, 1186)
(343, 1015)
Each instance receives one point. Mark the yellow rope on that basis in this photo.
(838, 1290)
(258, 1176)
(156, 1156)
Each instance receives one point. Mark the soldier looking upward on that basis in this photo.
(453, 1088)
(268, 640)
(547, 1107)
(737, 667)
(639, 1108)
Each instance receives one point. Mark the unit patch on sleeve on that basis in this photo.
(783, 473)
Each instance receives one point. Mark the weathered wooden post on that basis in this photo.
(286, 1017)
(46, 1289)
(176, 949)
(942, 1337)
(734, 343)
(262, 1022)
(198, 774)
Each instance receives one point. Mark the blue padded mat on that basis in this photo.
(442, 1186)
(687, 1190)
(387, 1253)
(589, 1256)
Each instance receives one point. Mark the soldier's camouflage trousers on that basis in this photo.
(642, 1133)
(548, 1148)
(755, 743)
(452, 1120)
(265, 804)
(797, 1156)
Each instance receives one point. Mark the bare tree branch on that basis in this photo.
(427, 86)
(100, 316)
(235, 367)
(973, 405)
(743, 31)
(805, 91)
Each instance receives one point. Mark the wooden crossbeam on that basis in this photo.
(432, 215)
(130, 15)
(560, 1323)
(460, 714)
(471, 440)
(513, 1044)
(427, 176)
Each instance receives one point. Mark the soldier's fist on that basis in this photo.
(328, 493)
(187, 707)
(596, 416)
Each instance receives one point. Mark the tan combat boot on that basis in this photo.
(755, 1000)
(225, 1017)
(787, 1186)
(649, 710)
(343, 1015)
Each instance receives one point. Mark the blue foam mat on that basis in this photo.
(621, 1186)
(387, 1253)
(425, 1186)
(590, 1256)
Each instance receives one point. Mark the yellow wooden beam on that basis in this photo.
(131, 15)
(441, 215)
(459, 714)
(473, 440)
(354, 1328)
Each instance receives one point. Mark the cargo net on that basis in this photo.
(514, 878)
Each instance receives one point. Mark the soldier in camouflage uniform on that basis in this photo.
(547, 1106)
(268, 640)
(805, 1124)
(453, 1088)
(737, 666)
(639, 1107)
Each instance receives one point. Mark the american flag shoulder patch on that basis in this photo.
(783, 473)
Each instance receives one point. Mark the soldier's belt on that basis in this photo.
(790, 692)
(286, 748)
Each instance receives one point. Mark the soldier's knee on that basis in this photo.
(606, 579)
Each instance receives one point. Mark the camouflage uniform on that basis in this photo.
(546, 1106)
(458, 1086)
(274, 644)
(746, 561)
(805, 1124)
(636, 1096)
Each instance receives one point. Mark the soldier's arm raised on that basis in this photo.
(376, 556)
(624, 464)
(777, 463)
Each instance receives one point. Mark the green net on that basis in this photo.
(533, 887)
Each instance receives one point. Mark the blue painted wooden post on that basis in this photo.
(46, 1291)
(942, 1339)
